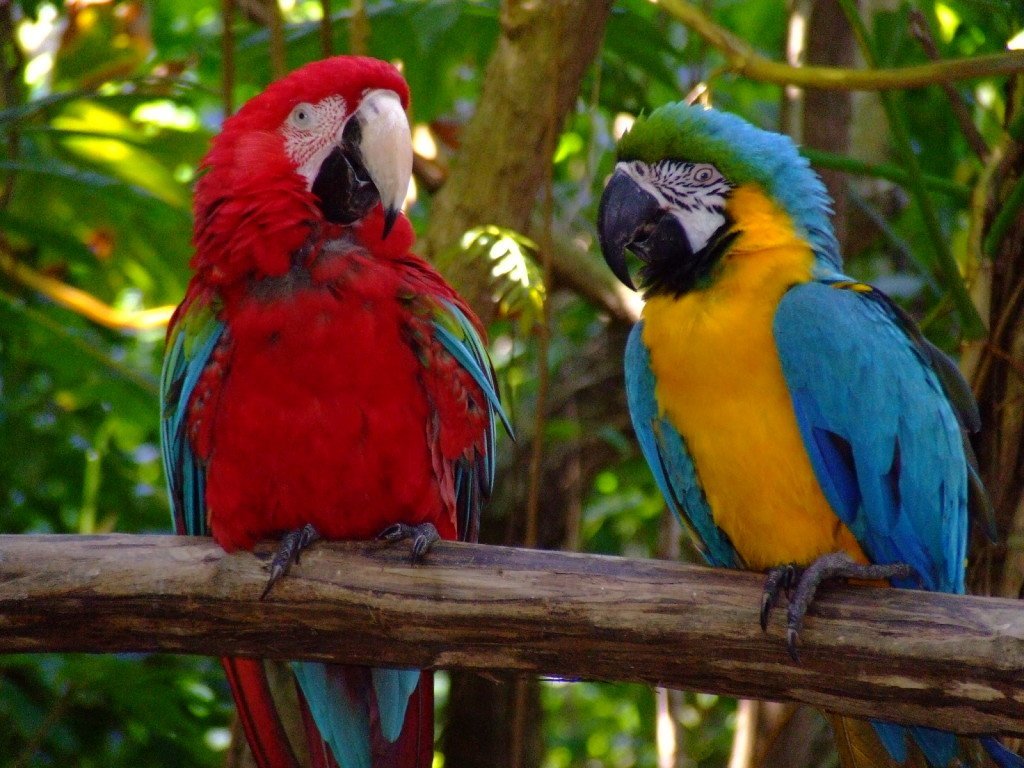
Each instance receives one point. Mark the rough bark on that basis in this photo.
(940, 660)
(500, 166)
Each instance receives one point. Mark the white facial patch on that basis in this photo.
(694, 193)
(311, 131)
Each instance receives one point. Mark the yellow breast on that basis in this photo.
(720, 382)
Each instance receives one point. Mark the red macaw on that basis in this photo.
(322, 381)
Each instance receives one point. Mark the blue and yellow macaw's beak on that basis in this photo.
(631, 218)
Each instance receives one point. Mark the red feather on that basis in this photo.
(257, 713)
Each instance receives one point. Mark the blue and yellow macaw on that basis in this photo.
(795, 418)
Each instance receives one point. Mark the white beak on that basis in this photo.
(386, 147)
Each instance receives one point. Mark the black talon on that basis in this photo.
(423, 536)
(289, 551)
(779, 579)
(833, 566)
(791, 637)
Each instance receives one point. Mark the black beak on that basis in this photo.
(343, 185)
(625, 211)
(390, 217)
(631, 218)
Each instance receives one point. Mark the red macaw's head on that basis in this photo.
(327, 146)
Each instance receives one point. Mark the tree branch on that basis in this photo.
(938, 660)
(82, 302)
(744, 60)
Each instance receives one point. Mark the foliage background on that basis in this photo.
(107, 107)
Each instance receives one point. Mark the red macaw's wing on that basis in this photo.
(195, 342)
(461, 385)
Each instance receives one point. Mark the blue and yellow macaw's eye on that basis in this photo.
(671, 215)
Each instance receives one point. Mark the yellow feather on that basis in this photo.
(721, 384)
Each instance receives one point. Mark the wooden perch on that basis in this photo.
(939, 660)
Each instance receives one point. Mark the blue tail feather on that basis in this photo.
(1000, 755)
(343, 722)
(938, 747)
(393, 687)
(364, 715)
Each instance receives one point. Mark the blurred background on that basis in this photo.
(106, 107)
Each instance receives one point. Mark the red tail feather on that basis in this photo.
(258, 714)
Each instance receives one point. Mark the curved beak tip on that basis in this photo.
(390, 217)
(616, 259)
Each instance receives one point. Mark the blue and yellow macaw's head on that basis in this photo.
(690, 181)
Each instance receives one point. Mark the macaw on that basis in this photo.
(793, 417)
(320, 380)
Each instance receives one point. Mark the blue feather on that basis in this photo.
(885, 445)
(1000, 755)
(474, 478)
(393, 688)
(471, 355)
(184, 362)
(853, 373)
(343, 720)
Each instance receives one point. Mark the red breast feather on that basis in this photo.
(325, 414)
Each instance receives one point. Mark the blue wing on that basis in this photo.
(474, 478)
(669, 459)
(882, 436)
(190, 343)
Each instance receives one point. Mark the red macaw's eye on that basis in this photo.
(303, 116)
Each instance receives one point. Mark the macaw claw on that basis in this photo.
(423, 536)
(780, 579)
(804, 584)
(289, 551)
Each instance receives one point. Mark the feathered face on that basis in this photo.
(691, 181)
(338, 125)
(672, 215)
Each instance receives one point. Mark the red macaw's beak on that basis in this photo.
(372, 163)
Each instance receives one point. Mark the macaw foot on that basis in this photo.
(289, 551)
(780, 579)
(423, 536)
(804, 583)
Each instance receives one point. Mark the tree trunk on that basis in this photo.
(827, 113)
(996, 365)
(500, 167)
